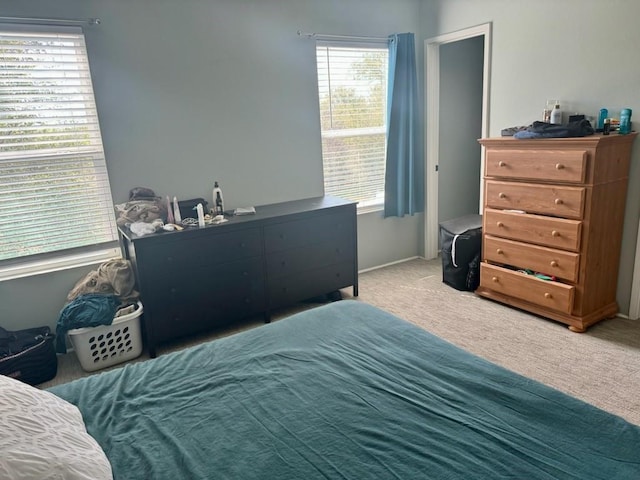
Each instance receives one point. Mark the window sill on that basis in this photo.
(370, 209)
(62, 263)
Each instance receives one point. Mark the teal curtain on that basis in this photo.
(404, 175)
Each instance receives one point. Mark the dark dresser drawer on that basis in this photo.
(185, 254)
(202, 281)
(300, 286)
(316, 229)
(309, 257)
(202, 298)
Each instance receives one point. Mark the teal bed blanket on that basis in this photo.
(344, 391)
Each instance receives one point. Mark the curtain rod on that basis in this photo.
(66, 21)
(327, 36)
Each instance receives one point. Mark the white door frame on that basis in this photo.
(432, 123)
(634, 303)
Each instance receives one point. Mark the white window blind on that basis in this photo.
(352, 87)
(54, 189)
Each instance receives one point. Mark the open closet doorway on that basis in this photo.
(457, 107)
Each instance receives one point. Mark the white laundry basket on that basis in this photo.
(106, 345)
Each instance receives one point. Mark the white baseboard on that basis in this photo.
(388, 264)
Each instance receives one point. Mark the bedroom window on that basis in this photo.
(56, 208)
(352, 87)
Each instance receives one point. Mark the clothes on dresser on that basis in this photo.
(143, 206)
(140, 211)
(511, 131)
(579, 128)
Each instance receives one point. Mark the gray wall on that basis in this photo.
(583, 52)
(194, 91)
(460, 123)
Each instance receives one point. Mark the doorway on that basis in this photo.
(452, 129)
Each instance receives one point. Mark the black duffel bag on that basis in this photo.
(28, 355)
(461, 243)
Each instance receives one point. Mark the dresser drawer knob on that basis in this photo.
(502, 164)
(555, 233)
(502, 195)
(558, 201)
(499, 251)
(559, 166)
(553, 263)
(500, 224)
(494, 279)
(548, 295)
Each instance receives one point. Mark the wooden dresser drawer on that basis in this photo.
(555, 200)
(548, 261)
(541, 230)
(545, 165)
(551, 295)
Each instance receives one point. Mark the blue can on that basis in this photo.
(625, 121)
(604, 113)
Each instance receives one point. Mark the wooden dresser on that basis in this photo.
(552, 225)
(202, 278)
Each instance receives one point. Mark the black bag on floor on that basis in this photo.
(28, 355)
(461, 243)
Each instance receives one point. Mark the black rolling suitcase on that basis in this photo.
(461, 243)
(28, 355)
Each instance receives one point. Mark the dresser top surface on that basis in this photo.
(590, 141)
(263, 213)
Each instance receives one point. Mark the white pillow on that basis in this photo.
(44, 437)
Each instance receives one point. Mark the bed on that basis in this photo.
(343, 391)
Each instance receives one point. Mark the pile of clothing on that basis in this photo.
(97, 299)
(143, 206)
(578, 128)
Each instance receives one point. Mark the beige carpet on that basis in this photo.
(601, 366)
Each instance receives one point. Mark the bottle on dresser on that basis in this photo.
(602, 115)
(218, 200)
(556, 115)
(625, 121)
